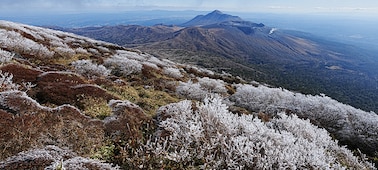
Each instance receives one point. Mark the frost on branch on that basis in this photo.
(89, 69)
(213, 137)
(6, 83)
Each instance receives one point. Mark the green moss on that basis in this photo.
(105, 153)
(148, 99)
(96, 107)
(67, 60)
(123, 92)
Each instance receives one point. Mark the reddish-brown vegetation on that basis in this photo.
(67, 88)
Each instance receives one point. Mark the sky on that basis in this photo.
(368, 7)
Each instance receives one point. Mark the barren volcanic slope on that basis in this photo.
(289, 59)
(72, 102)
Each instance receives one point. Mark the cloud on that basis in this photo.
(345, 9)
(281, 7)
(47, 4)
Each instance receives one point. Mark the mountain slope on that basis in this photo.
(289, 59)
(102, 101)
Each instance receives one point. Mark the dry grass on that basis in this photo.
(64, 127)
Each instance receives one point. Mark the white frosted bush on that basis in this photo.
(65, 51)
(212, 85)
(348, 124)
(53, 157)
(210, 134)
(204, 87)
(72, 40)
(93, 51)
(123, 66)
(172, 72)
(83, 163)
(158, 62)
(14, 41)
(89, 69)
(152, 65)
(201, 70)
(81, 50)
(130, 55)
(191, 90)
(103, 49)
(58, 43)
(5, 56)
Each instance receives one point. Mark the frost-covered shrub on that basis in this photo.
(103, 49)
(52, 158)
(123, 66)
(158, 62)
(172, 72)
(6, 82)
(81, 50)
(201, 70)
(14, 41)
(152, 65)
(5, 56)
(58, 43)
(349, 125)
(204, 87)
(210, 137)
(36, 158)
(64, 51)
(82, 163)
(89, 69)
(72, 40)
(93, 51)
(130, 55)
(212, 85)
(191, 90)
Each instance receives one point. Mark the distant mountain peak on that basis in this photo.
(216, 12)
(211, 18)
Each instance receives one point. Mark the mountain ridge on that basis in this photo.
(294, 60)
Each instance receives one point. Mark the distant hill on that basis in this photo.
(290, 59)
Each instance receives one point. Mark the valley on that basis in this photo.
(282, 58)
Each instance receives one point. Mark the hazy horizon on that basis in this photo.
(337, 7)
(341, 20)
